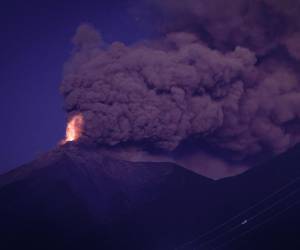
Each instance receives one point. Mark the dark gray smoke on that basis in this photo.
(223, 72)
(260, 25)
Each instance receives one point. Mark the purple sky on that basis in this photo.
(35, 43)
(235, 73)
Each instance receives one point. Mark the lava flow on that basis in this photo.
(74, 128)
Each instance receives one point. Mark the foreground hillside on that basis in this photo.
(76, 198)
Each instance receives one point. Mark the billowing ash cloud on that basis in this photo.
(226, 74)
(260, 25)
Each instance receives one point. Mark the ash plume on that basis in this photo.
(226, 74)
(260, 25)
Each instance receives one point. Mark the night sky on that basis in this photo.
(186, 73)
(35, 44)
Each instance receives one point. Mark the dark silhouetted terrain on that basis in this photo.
(76, 198)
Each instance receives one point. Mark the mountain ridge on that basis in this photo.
(74, 197)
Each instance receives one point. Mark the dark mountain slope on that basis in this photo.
(258, 195)
(73, 197)
(78, 198)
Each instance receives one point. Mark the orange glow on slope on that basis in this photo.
(74, 128)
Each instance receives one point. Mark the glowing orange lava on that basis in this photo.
(74, 128)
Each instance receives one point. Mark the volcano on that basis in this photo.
(76, 197)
